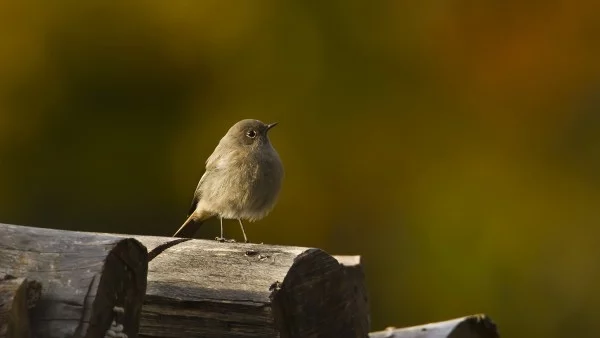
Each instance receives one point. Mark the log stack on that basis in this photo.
(56, 283)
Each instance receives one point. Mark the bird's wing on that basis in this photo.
(197, 195)
(216, 158)
(214, 162)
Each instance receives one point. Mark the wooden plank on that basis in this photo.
(84, 276)
(203, 288)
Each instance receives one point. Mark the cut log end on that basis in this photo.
(477, 326)
(121, 286)
(83, 277)
(320, 295)
(17, 295)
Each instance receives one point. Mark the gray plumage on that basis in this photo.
(242, 179)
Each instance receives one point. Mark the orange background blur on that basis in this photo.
(454, 144)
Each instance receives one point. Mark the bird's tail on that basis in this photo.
(189, 227)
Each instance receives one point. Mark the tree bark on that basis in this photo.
(85, 278)
(201, 288)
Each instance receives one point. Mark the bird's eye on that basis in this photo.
(251, 133)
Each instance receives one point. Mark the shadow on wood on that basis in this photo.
(84, 276)
(201, 288)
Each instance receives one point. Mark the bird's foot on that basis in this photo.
(224, 240)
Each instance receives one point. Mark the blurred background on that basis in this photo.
(454, 144)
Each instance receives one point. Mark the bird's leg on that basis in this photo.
(221, 219)
(244, 232)
(223, 239)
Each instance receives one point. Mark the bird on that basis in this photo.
(242, 179)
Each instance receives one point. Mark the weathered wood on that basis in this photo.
(478, 326)
(203, 288)
(17, 295)
(84, 276)
(93, 286)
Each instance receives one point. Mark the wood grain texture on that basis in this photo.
(83, 277)
(477, 326)
(201, 288)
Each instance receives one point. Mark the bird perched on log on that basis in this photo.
(242, 179)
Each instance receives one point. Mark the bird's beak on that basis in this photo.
(269, 126)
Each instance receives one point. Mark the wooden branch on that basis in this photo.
(477, 326)
(203, 288)
(85, 278)
(17, 295)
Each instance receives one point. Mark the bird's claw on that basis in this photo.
(224, 240)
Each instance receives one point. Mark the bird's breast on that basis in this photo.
(248, 186)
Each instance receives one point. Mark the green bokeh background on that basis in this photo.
(454, 144)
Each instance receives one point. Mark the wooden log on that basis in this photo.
(477, 326)
(17, 295)
(203, 288)
(94, 285)
(85, 278)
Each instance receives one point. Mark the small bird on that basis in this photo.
(242, 179)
